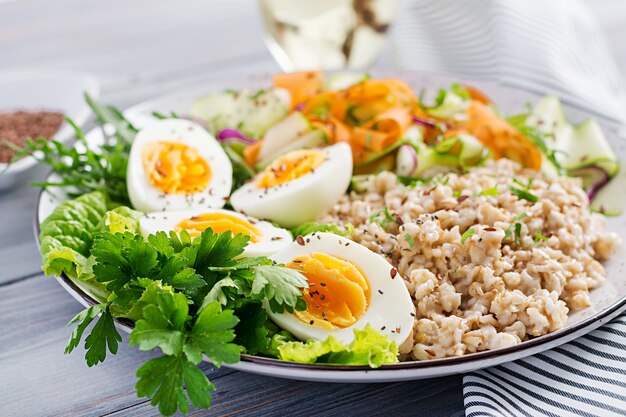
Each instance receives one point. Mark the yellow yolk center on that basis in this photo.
(338, 293)
(291, 166)
(175, 168)
(219, 223)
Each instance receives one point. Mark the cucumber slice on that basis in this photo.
(251, 111)
(610, 199)
(343, 80)
(473, 152)
(591, 148)
(282, 134)
(313, 139)
(548, 115)
(359, 183)
(452, 106)
(578, 147)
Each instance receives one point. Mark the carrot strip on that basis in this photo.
(251, 153)
(301, 85)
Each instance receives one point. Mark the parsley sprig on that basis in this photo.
(189, 298)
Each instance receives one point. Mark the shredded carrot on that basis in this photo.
(251, 153)
(301, 85)
(477, 95)
(500, 137)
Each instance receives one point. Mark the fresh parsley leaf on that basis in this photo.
(523, 194)
(212, 334)
(163, 378)
(281, 286)
(163, 324)
(218, 249)
(103, 335)
(468, 233)
(251, 330)
(84, 318)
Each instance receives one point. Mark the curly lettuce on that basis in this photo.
(313, 227)
(67, 234)
(369, 347)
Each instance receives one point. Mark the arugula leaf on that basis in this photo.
(281, 286)
(163, 378)
(103, 335)
(305, 229)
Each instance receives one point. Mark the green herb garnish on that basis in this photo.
(523, 194)
(410, 240)
(382, 217)
(468, 233)
(493, 191)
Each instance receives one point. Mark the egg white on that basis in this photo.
(303, 199)
(273, 238)
(390, 308)
(146, 197)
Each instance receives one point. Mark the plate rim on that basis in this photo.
(520, 350)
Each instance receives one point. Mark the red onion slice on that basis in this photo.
(234, 135)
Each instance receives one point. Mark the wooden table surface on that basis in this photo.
(141, 49)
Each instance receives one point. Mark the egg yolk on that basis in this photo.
(175, 168)
(219, 223)
(291, 166)
(338, 293)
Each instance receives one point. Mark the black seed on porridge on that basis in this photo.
(300, 240)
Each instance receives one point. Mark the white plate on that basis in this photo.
(608, 301)
(35, 90)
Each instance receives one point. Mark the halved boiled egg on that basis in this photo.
(298, 186)
(175, 164)
(349, 287)
(265, 238)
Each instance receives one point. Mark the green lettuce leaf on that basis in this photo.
(67, 234)
(369, 347)
(122, 219)
(313, 227)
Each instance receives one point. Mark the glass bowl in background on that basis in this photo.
(326, 34)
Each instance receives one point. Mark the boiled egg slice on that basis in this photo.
(175, 164)
(298, 186)
(265, 238)
(349, 287)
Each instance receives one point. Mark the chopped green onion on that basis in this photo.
(468, 233)
(523, 194)
(539, 236)
(409, 240)
(489, 191)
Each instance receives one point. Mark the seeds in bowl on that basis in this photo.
(18, 126)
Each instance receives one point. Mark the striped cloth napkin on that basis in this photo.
(543, 46)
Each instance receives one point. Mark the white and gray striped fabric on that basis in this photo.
(545, 46)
